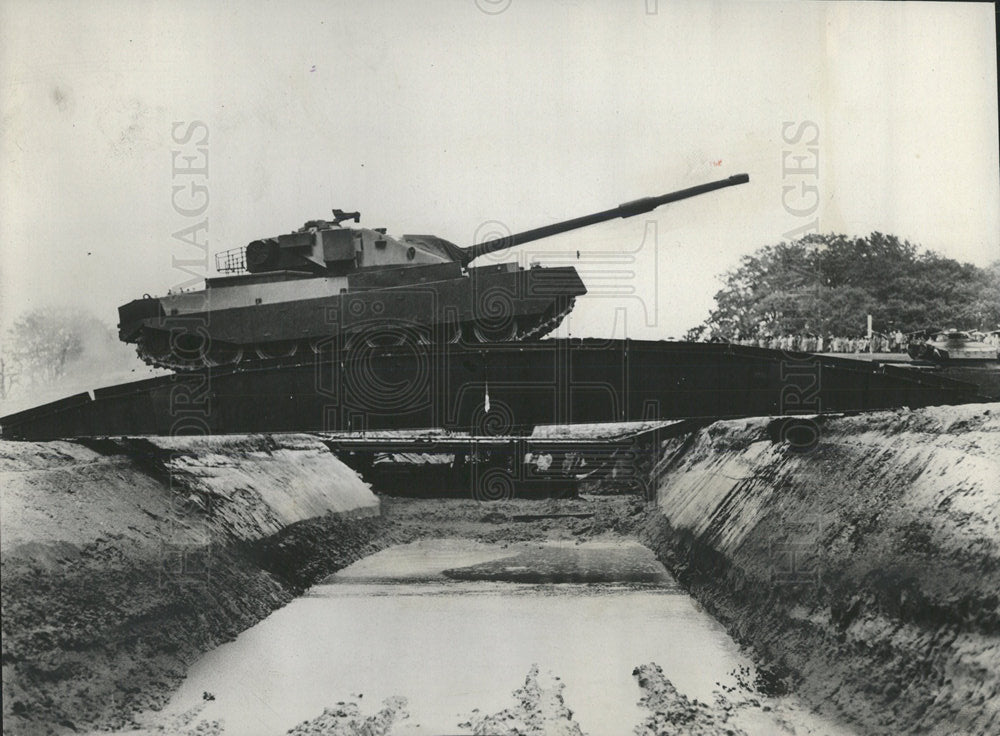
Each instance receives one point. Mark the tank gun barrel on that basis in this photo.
(629, 209)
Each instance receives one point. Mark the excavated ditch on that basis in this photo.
(446, 628)
(859, 572)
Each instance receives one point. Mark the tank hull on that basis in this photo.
(246, 319)
(952, 351)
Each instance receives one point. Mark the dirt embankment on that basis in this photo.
(867, 566)
(122, 561)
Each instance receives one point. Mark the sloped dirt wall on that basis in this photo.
(866, 566)
(123, 560)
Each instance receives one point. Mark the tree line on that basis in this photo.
(829, 284)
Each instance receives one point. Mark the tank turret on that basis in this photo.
(290, 294)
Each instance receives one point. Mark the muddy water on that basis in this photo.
(454, 626)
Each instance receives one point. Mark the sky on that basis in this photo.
(463, 118)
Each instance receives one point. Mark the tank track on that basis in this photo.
(155, 350)
(544, 328)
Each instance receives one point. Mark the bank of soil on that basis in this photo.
(866, 568)
(123, 561)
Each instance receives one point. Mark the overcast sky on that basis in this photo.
(438, 117)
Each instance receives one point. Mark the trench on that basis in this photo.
(455, 625)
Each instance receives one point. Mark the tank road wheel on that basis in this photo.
(278, 349)
(220, 354)
(391, 336)
(453, 333)
(324, 348)
(505, 333)
(421, 336)
(373, 336)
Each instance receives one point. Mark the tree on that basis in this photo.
(60, 346)
(44, 341)
(828, 284)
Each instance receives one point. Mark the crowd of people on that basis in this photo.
(878, 343)
(894, 342)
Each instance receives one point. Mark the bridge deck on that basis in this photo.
(490, 390)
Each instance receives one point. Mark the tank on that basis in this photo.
(948, 347)
(327, 284)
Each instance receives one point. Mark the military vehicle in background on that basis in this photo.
(948, 347)
(324, 283)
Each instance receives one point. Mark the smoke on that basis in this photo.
(54, 352)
